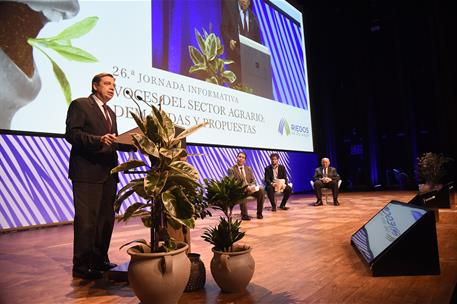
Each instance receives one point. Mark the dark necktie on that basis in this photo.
(243, 175)
(245, 24)
(108, 120)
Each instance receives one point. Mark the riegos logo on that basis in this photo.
(293, 129)
(283, 127)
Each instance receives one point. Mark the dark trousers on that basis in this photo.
(271, 195)
(94, 221)
(318, 185)
(260, 197)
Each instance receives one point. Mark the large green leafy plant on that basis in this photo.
(207, 64)
(224, 195)
(170, 187)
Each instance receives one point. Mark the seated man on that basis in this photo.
(245, 174)
(276, 181)
(326, 177)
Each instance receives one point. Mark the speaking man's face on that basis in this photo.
(104, 90)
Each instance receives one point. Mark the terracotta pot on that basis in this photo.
(233, 271)
(159, 277)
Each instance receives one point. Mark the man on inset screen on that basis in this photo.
(237, 19)
(276, 181)
(244, 173)
(326, 177)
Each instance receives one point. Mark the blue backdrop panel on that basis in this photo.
(35, 189)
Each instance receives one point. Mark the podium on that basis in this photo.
(256, 67)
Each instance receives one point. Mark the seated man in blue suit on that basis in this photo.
(326, 177)
(276, 181)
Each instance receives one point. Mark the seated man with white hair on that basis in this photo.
(326, 177)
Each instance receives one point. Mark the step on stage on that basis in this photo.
(302, 255)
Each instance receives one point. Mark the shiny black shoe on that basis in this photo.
(318, 203)
(336, 203)
(283, 207)
(87, 273)
(273, 209)
(246, 218)
(106, 266)
(259, 216)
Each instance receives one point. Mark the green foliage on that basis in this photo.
(62, 45)
(207, 64)
(171, 188)
(224, 235)
(431, 167)
(224, 195)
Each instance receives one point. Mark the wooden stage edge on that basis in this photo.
(302, 255)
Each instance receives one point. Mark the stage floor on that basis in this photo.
(302, 255)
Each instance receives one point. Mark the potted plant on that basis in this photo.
(207, 62)
(159, 268)
(232, 265)
(431, 170)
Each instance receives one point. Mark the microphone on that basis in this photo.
(141, 99)
(133, 99)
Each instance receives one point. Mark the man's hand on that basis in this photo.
(108, 139)
(326, 180)
(251, 189)
(232, 44)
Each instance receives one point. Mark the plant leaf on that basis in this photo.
(139, 122)
(154, 183)
(133, 208)
(168, 126)
(190, 130)
(62, 79)
(229, 76)
(198, 68)
(212, 79)
(131, 164)
(141, 241)
(200, 41)
(145, 145)
(211, 47)
(186, 169)
(71, 52)
(196, 56)
(76, 30)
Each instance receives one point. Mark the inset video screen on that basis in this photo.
(238, 65)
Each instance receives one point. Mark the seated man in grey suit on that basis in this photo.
(276, 181)
(244, 173)
(326, 177)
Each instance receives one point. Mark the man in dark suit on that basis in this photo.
(237, 19)
(276, 181)
(91, 129)
(244, 173)
(326, 177)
